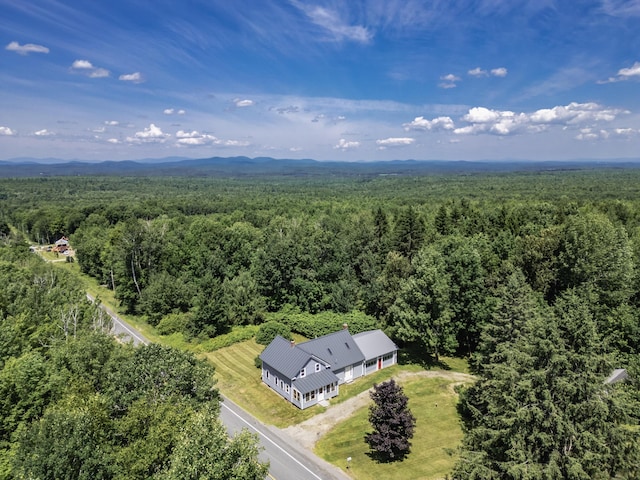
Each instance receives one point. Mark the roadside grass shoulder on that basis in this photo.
(239, 379)
(438, 432)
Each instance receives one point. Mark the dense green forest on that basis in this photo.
(76, 404)
(533, 276)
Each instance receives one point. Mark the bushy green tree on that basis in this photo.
(205, 451)
(422, 312)
(392, 422)
(269, 330)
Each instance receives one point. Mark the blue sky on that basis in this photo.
(330, 80)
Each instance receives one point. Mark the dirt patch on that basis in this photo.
(310, 431)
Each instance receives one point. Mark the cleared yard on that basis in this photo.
(437, 434)
(431, 398)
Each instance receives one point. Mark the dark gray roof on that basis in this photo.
(338, 349)
(374, 343)
(315, 380)
(285, 358)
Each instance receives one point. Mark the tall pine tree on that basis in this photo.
(541, 408)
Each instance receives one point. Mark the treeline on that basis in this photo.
(424, 256)
(75, 404)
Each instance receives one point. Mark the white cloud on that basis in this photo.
(182, 112)
(505, 122)
(346, 145)
(394, 142)
(43, 133)
(243, 103)
(113, 140)
(632, 72)
(99, 130)
(6, 131)
(151, 134)
(168, 111)
(195, 138)
(576, 113)
(499, 72)
(338, 28)
(478, 72)
(625, 132)
(135, 77)
(421, 123)
(449, 81)
(26, 49)
(87, 68)
(99, 73)
(235, 143)
(82, 64)
(481, 115)
(112, 123)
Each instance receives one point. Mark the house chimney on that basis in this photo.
(293, 343)
(345, 326)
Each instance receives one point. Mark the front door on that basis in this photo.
(321, 394)
(348, 373)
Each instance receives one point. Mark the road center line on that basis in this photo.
(267, 438)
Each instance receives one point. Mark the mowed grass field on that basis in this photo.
(437, 434)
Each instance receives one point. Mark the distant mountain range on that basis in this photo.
(266, 166)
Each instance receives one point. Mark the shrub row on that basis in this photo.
(316, 325)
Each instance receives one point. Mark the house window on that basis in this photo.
(331, 387)
(388, 356)
(286, 388)
(317, 367)
(307, 396)
(296, 395)
(267, 374)
(303, 372)
(313, 394)
(370, 363)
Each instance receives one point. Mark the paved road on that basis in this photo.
(287, 460)
(122, 329)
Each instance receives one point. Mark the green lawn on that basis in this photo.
(437, 433)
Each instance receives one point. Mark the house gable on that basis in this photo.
(285, 357)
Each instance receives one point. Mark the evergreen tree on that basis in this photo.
(541, 408)
(422, 312)
(392, 423)
(409, 232)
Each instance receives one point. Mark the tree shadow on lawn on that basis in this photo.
(382, 458)
(414, 354)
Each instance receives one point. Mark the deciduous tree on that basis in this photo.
(392, 422)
